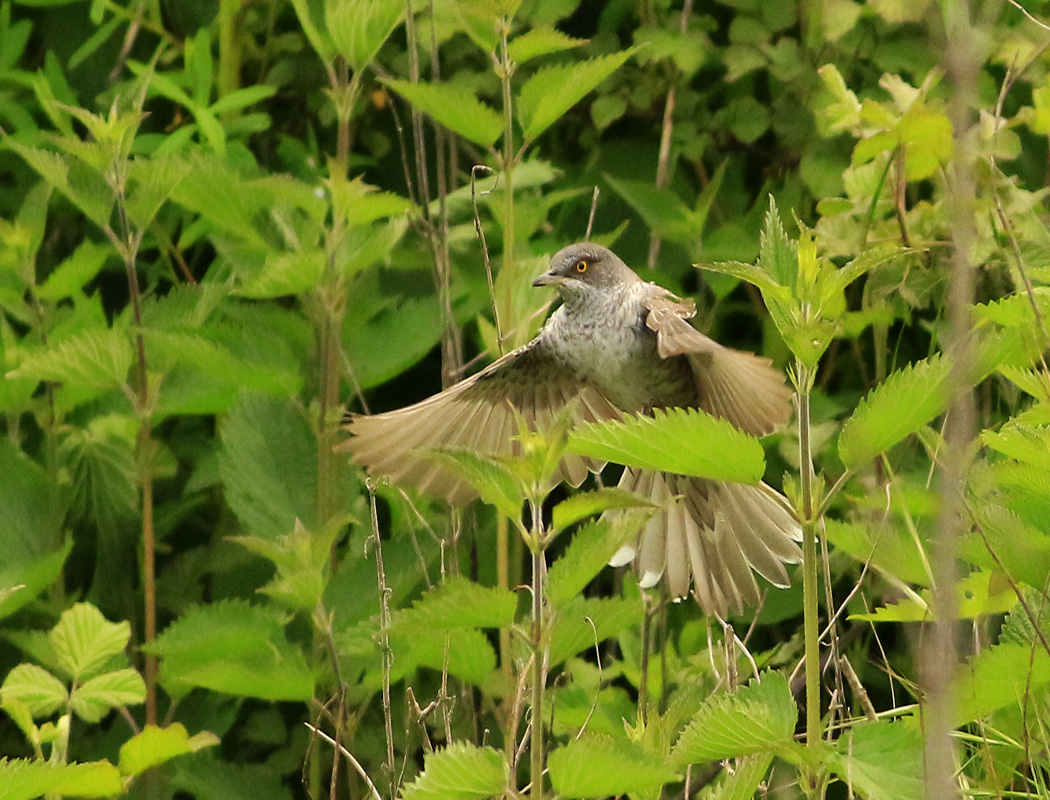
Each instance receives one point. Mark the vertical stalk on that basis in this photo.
(228, 77)
(809, 564)
(539, 672)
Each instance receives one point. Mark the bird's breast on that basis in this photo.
(611, 348)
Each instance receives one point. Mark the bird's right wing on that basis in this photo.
(476, 414)
(741, 387)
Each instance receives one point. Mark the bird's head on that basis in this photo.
(583, 268)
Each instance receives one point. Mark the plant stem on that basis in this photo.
(809, 563)
(536, 544)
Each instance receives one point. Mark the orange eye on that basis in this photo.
(582, 265)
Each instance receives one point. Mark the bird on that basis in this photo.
(616, 345)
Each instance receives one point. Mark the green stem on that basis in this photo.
(809, 566)
(536, 544)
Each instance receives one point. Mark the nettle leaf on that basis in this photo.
(585, 504)
(153, 746)
(541, 41)
(759, 718)
(95, 697)
(678, 440)
(37, 689)
(151, 183)
(94, 359)
(495, 483)
(360, 27)
(85, 641)
(591, 548)
(69, 277)
(1025, 443)
(600, 766)
(26, 780)
(903, 403)
(285, 273)
(552, 91)
(455, 107)
(232, 647)
(460, 772)
(81, 185)
(100, 459)
(1007, 674)
(584, 622)
(465, 653)
(459, 603)
(661, 209)
(742, 781)
(881, 760)
(268, 464)
(778, 256)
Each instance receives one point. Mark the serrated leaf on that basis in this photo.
(153, 746)
(152, 182)
(552, 91)
(85, 641)
(584, 622)
(460, 772)
(34, 687)
(268, 464)
(1005, 675)
(540, 41)
(97, 359)
(84, 187)
(360, 27)
(232, 647)
(759, 718)
(26, 780)
(95, 697)
(742, 782)
(591, 548)
(777, 253)
(881, 761)
(661, 209)
(756, 276)
(494, 482)
(69, 277)
(678, 440)
(586, 504)
(455, 107)
(600, 766)
(1025, 443)
(459, 603)
(285, 273)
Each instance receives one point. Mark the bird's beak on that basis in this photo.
(549, 279)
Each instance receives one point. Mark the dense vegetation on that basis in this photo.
(224, 223)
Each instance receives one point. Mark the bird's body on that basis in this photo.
(616, 345)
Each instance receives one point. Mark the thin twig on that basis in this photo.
(384, 634)
(348, 756)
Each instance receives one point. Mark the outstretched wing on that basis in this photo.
(476, 414)
(741, 387)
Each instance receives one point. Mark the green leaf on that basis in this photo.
(906, 400)
(1006, 675)
(777, 255)
(69, 277)
(585, 504)
(94, 359)
(661, 209)
(26, 780)
(235, 648)
(678, 440)
(36, 688)
(460, 772)
(552, 91)
(585, 622)
(591, 548)
(742, 782)
(881, 760)
(22, 580)
(455, 107)
(85, 641)
(360, 27)
(540, 41)
(310, 13)
(151, 182)
(95, 697)
(153, 746)
(268, 464)
(494, 482)
(759, 718)
(459, 603)
(285, 273)
(600, 766)
(83, 187)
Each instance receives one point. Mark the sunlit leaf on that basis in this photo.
(600, 766)
(460, 771)
(455, 107)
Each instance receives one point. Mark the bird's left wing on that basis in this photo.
(741, 387)
(476, 414)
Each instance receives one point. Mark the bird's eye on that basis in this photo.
(582, 265)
